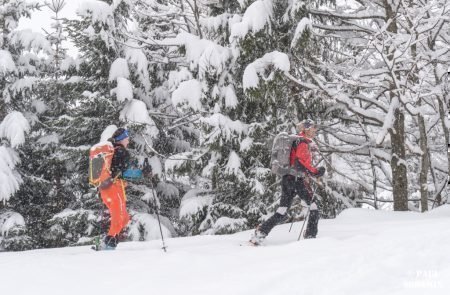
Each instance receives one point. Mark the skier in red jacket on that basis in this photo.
(300, 160)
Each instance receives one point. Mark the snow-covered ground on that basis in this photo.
(360, 252)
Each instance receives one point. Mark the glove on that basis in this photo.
(147, 168)
(320, 172)
(132, 174)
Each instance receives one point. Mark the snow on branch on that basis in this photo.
(167, 190)
(203, 55)
(368, 114)
(190, 92)
(233, 166)
(20, 85)
(136, 112)
(14, 127)
(31, 41)
(229, 94)
(120, 72)
(119, 68)
(228, 127)
(69, 62)
(149, 223)
(214, 23)
(388, 121)
(256, 17)
(349, 28)
(116, 3)
(9, 220)
(9, 179)
(124, 89)
(7, 64)
(354, 15)
(278, 60)
(304, 24)
(99, 11)
(208, 170)
(108, 133)
(138, 58)
(194, 201)
(181, 160)
(176, 77)
(228, 225)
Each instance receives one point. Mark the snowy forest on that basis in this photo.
(204, 86)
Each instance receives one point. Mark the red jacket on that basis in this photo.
(302, 153)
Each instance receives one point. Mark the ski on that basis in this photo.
(106, 249)
(250, 244)
(96, 244)
(99, 246)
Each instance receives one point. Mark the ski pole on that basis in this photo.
(156, 208)
(307, 213)
(292, 223)
(304, 221)
(157, 215)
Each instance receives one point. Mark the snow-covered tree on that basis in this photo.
(237, 80)
(383, 78)
(124, 83)
(20, 66)
(204, 86)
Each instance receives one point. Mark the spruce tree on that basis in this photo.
(20, 67)
(247, 100)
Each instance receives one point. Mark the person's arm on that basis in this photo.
(120, 161)
(304, 157)
(147, 170)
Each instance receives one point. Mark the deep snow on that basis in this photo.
(360, 252)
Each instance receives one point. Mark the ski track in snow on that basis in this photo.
(360, 252)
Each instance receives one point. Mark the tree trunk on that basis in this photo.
(397, 133)
(423, 178)
(443, 116)
(398, 163)
(184, 17)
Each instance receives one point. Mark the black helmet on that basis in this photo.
(306, 124)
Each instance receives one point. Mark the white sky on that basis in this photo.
(43, 19)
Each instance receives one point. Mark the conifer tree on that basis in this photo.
(118, 79)
(245, 91)
(20, 66)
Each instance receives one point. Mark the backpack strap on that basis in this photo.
(298, 167)
(296, 142)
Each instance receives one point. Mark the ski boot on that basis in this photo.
(309, 236)
(258, 237)
(109, 243)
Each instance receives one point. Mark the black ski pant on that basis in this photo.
(291, 186)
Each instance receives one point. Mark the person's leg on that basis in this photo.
(306, 194)
(124, 217)
(114, 199)
(313, 222)
(287, 195)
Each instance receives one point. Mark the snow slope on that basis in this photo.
(360, 252)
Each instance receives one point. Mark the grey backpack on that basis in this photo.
(281, 151)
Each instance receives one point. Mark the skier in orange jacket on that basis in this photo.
(113, 195)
